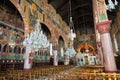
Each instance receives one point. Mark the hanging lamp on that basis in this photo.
(37, 39)
(70, 51)
(111, 5)
(71, 24)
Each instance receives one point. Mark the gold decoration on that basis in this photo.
(33, 6)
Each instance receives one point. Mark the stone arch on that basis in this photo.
(61, 42)
(22, 14)
(66, 40)
(53, 30)
(46, 31)
(26, 23)
(83, 47)
(61, 48)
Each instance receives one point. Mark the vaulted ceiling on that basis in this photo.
(81, 11)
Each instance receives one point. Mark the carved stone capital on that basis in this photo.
(104, 27)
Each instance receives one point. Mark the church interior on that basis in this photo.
(59, 40)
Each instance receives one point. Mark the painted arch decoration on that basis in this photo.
(85, 46)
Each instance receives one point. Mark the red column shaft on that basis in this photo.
(109, 61)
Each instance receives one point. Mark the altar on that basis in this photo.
(86, 55)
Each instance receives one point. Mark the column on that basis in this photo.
(100, 53)
(99, 48)
(98, 42)
(55, 58)
(103, 26)
(27, 63)
(109, 61)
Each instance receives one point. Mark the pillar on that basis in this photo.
(55, 58)
(27, 63)
(100, 53)
(109, 61)
(102, 24)
(98, 42)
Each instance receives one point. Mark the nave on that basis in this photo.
(61, 72)
(59, 40)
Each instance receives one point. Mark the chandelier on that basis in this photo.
(71, 24)
(36, 39)
(111, 5)
(70, 52)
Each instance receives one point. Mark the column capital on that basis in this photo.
(104, 26)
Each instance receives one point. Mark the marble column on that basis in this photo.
(27, 64)
(55, 58)
(109, 61)
(100, 53)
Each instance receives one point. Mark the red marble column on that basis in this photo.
(109, 61)
(100, 53)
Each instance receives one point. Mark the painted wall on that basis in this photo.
(33, 9)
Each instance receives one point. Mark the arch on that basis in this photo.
(11, 15)
(21, 11)
(61, 42)
(23, 50)
(61, 48)
(7, 48)
(46, 31)
(54, 30)
(83, 47)
(17, 50)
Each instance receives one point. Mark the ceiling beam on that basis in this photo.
(75, 18)
(87, 22)
(80, 21)
(74, 13)
(62, 5)
(74, 8)
(64, 13)
(78, 16)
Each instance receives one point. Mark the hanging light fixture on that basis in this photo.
(37, 39)
(70, 50)
(111, 5)
(71, 24)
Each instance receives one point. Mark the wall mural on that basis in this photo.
(11, 41)
(33, 14)
(11, 17)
